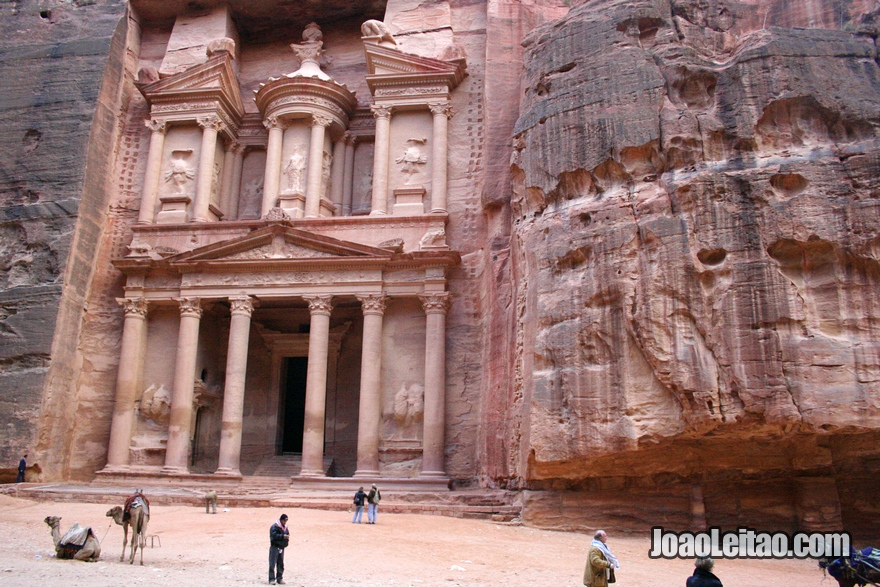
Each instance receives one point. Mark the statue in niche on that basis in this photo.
(156, 404)
(325, 174)
(412, 159)
(180, 173)
(409, 408)
(295, 169)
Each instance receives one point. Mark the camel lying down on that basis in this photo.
(79, 543)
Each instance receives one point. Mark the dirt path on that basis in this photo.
(401, 550)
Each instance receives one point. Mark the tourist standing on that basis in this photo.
(359, 498)
(279, 537)
(703, 576)
(600, 562)
(373, 499)
(22, 465)
(211, 502)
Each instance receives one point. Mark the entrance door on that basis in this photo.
(294, 403)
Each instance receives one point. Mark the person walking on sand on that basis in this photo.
(599, 571)
(358, 505)
(211, 502)
(373, 499)
(279, 537)
(22, 465)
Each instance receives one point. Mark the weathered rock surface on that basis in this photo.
(696, 217)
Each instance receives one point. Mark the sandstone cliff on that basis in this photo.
(695, 212)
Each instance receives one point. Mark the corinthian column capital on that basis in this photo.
(442, 109)
(372, 303)
(157, 125)
(190, 307)
(380, 111)
(212, 122)
(133, 306)
(435, 303)
(321, 120)
(242, 305)
(274, 122)
(319, 305)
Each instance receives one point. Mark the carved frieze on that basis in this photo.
(410, 91)
(279, 249)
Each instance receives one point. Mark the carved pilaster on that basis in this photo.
(349, 138)
(435, 303)
(372, 304)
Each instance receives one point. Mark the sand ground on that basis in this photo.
(401, 550)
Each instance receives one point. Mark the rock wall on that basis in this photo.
(695, 219)
(54, 96)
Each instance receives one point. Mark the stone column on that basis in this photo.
(147, 214)
(433, 447)
(226, 180)
(177, 450)
(233, 395)
(272, 177)
(315, 172)
(370, 410)
(381, 149)
(316, 386)
(442, 113)
(235, 187)
(338, 175)
(348, 175)
(128, 381)
(211, 125)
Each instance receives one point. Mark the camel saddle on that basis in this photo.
(138, 500)
(75, 538)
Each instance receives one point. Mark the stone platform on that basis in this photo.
(398, 495)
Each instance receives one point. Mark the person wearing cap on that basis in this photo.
(279, 537)
(373, 504)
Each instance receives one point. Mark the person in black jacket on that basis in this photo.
(359, 498)
(22, 465)
(279, 537)
(703, 576)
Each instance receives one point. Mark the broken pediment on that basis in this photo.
(389, 66)
(205, 88)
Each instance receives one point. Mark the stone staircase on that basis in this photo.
(285, 466)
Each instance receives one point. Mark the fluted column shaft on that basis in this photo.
(147, 214)
(316, 386)
(442, 113)
(348, 175)
(128, 381)
(370, 403)
(235, 187)
(233, 395)
(272, 176)
(314, 174)
(433, 444)
(211, 125)
(380, 159)
(179, 431)
(338, 175)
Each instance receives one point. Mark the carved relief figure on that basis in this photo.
(409, 407)
(180, 173)
(412, 159)
(156, 404)
(325, 174)
(215, 182)
(295, 169)
(377, 29)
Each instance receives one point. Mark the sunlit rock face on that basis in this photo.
(696, 257)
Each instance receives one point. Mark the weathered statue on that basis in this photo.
(180, 173)
(412, 158)
(294, 170)
(378, 30)
(325, 173)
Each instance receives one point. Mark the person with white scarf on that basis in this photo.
(600, 562)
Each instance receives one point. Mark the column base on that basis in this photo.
(433, 474)
(227, 472)
(378, 213)
(174, 471)
(366, 473)
(439, 211)
(311, 473)
(115, 469)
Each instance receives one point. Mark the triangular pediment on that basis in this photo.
(389, 62)
(279, 243)
(214, 76)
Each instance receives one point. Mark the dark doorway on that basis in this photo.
(294, 403)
